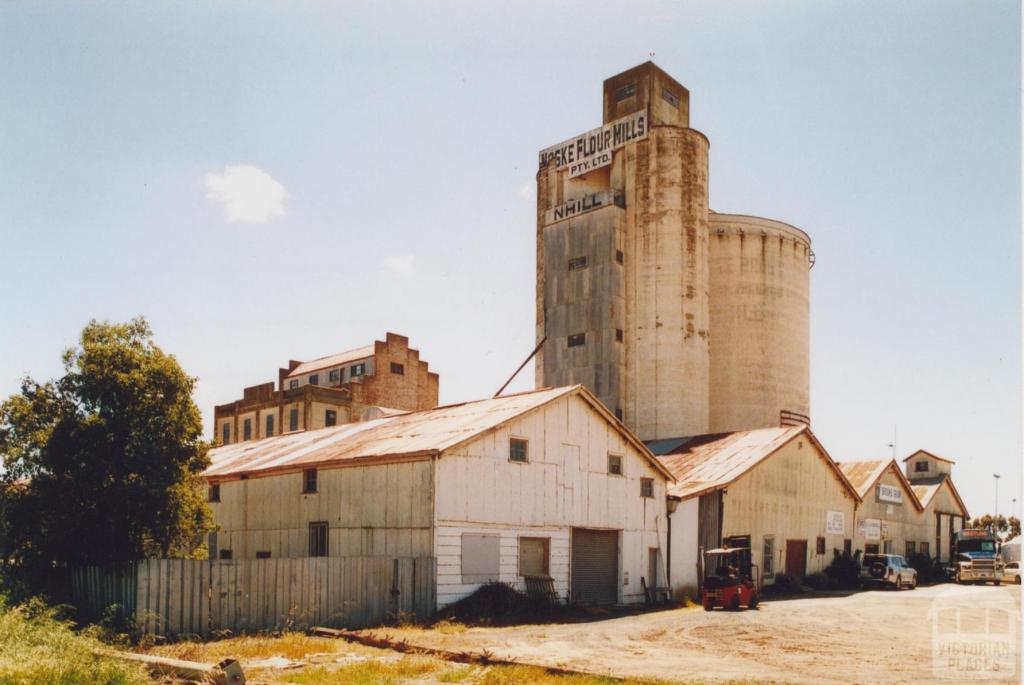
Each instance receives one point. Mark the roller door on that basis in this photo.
(595, 566)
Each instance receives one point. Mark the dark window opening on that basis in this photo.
(924, 548)
(334, 375)
(270, 425)
(647, 487)
(619, 335)
(318, 539)
(517, 449)
(821, 546)
(618, 413)
(911, 549)
(330, 417)
(225, 432)
(308, 481)
(213, 493)
(625, 92)
(620, 257)
(670, 97)
(293, 384)
(577, 263)
(398, 368)
(615, 464)
(247, 429)
(848, 546)
(357, 370)
(314, 379)
(921, 466)
(293, 420)
(225, 554)
(264, 554)
(577, 339)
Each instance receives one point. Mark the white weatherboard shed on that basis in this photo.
(544, 483)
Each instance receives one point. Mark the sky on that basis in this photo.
(274, 181)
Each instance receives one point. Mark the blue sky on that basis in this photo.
(391, 151)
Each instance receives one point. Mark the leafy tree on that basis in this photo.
(998, 524)
(102, 464)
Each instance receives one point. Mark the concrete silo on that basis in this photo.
(759, 295)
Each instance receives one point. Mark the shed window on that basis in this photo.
(247, 429)
(848, 546)
(397, 369)
(619, 336)
(625, 92)
(334, 375)
(292, 384)
(293, 419)
(577, 339)
(263, 554)
(318, 539)
(921, 466)
(314, 379)
(615, 464)
(620, 257)
(533, 556)
(924, 548)
(768, 556)
(577, 263)
(213, 493)
(821, 546)
(308, 481)
(225, 554)
(647, 487)
(911, 549)
(618, 413)
(330, 417)
(480, 557)
(270, 425)
(518, 449)
(225, 433)
(357, 370)
(670, 97)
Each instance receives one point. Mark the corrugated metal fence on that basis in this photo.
(183, 596)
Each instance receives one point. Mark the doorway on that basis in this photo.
(796, 558)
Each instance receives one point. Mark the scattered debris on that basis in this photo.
(227, 672)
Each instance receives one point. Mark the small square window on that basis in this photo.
(334, 375)
(647, 487)
(577, 263)
(620, 257)
(619, 335)
(357, 370)
(213, 493)
(225, 554)
(247, 429)
(293, 420)
(821, 546)
(263, 554)
(330, 417)
(314, 379)
(577, 339)
(921, 466)
(517, 449)
(615, 464)
(294, 383)
(270, 425)
(308, 481)
(670, 97)
(624, 92)
(225, 432)
(398, 369)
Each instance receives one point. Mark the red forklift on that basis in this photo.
(730, 579)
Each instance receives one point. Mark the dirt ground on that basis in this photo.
(939, 634)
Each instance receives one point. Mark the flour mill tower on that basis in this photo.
(681, 320)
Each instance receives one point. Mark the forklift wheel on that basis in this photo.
(708, 606)
(734, 603)
(752, 604)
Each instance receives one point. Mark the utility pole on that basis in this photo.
(996, 476)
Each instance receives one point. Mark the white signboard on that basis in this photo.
(835, 523)
(593, 149)
(889, 493)
(869, 529)
(581, 205)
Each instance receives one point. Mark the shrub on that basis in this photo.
(844, 571)
(928, 570)
(785, 584)
(817, 581)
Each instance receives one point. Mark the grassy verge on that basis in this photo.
(38, 649)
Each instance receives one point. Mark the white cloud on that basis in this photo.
(401, 265)
(248, 194)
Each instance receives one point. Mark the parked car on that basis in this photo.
(887, 569)
(1011, 572)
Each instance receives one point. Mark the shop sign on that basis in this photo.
(889, 493)
(835, 523)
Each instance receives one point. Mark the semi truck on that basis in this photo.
(975, 556)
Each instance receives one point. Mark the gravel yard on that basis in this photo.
(867, 637)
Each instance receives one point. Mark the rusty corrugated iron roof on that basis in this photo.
(925, 490)
(864, 474)
(403, 436)
(933, 456)
(705, 463)
(332, 360)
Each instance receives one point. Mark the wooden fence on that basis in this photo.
(183, 596)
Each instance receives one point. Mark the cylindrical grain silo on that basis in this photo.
(666, 263)
(759, 296)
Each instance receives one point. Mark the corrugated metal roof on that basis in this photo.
(933, 456)
(925, 490)
(411, 434)
(863, 474)
(332, 360)
(704, 463)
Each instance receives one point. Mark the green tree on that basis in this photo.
(103, 464)
(998, 524)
